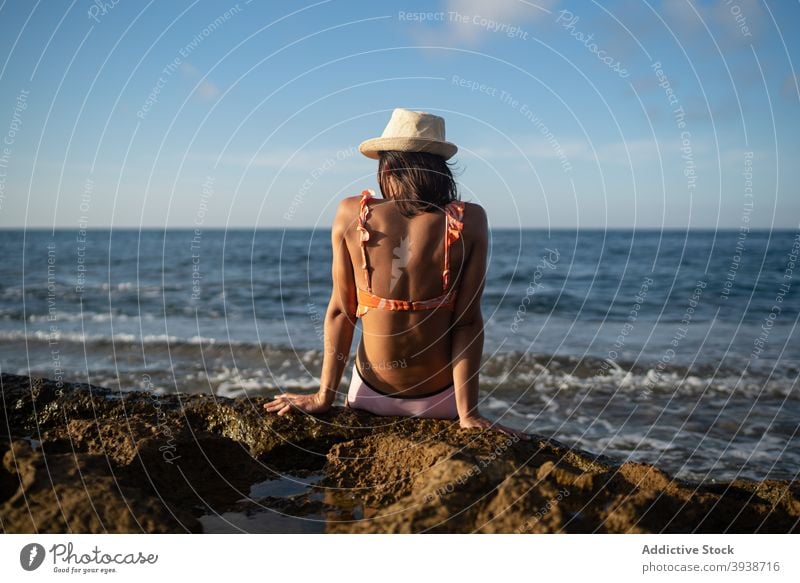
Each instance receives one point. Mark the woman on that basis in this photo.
(412, 266)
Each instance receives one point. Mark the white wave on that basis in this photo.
(119, 337)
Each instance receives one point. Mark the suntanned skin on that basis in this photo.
(410, 353)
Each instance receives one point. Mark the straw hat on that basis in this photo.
(411, 131)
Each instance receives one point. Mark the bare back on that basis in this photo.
(408, 352)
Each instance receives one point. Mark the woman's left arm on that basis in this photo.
(340, 321)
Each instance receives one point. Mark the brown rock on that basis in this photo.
(105, 461)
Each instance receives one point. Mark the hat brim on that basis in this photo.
(371, 147)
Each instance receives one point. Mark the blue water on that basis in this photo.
(677, 348)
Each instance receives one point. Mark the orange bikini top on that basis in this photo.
(454, 214)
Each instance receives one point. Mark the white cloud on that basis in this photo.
(467, 22)
(678, 15)
(739, 21)
(790, 84)
(535, 149)
(206, 89)
(307, 160)
(639, 150)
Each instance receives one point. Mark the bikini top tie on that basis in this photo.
(454, 214)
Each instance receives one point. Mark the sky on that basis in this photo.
(654, 114)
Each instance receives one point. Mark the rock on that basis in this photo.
(79, 458)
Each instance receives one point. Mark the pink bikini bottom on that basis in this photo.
(438, 405)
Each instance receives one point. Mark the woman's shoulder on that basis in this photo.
(354, 200)
(351, 203)
(349, 209)
(346, 214)
(474, 214)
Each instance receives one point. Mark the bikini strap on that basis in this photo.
(364, 209)
(454, 214)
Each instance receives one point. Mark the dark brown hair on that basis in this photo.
(424, 180)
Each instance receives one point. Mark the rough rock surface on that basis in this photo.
(79, 458)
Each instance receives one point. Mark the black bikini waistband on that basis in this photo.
(396, 396)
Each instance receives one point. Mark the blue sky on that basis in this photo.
(567, 114)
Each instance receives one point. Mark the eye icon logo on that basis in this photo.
(31, 556)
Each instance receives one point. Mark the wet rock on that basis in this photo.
(78, 493)
(81, 458)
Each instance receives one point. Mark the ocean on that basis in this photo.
(677, 348)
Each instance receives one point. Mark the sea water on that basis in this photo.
(671, 347)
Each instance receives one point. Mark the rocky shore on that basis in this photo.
(78, 458)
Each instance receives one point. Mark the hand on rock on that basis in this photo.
(480, 422)
(285, 402)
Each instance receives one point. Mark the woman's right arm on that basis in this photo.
(467, 334)
(339, 325)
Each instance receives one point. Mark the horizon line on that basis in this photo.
(328, 228)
